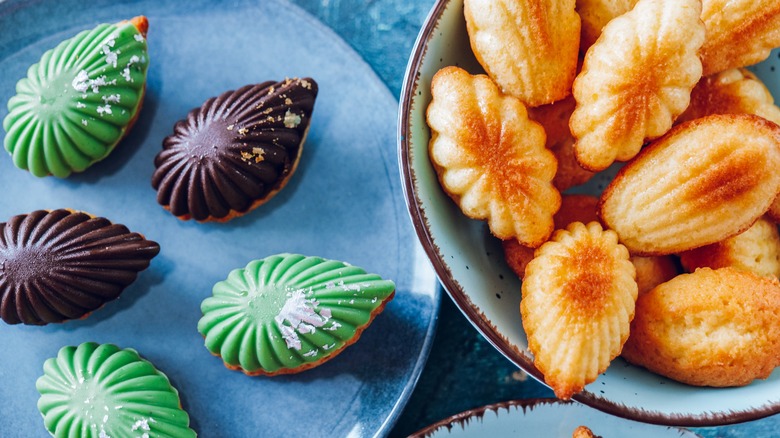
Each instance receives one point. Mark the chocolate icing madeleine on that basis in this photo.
(59, 265)
(235, 152)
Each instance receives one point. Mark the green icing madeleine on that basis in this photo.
(289, 312)
(102, 391)
(76, 103)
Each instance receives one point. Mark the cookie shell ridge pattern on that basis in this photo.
(236, 151)
(60, 265)
(100, 391)
(79, 100)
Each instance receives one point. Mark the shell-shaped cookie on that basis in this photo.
(98, 391)
(583, 432)
(596, 14)
(709, 328)
(578, 301)
(654, 270)
(79, 100)
(739, 32)
(735, 91)
(529, 48)
(705, 181)
(234, 152)
(59, 265)
(490, 158)
(636, 80)
(757, 249)
(287, 313)
(574, 208)
(555, 120)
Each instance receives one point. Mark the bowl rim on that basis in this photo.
(463, 418)
(477, 319)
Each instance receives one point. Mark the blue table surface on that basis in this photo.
(463, 370)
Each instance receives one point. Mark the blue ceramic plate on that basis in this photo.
(344, 202)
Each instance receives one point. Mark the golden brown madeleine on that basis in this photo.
(735, 91)
(555, 120)
(710, 328)
(529, 47)
(774, 210)
(636, 80)
(596, 14)
(705, 181)
(574, 208)
(517, 256)
(654, 270)
(757, 249)
(578, 300)
(583, 432)
(490, 157)
(739, 32)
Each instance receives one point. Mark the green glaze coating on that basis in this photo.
(289, 312)
(77, 102)
(102, 391)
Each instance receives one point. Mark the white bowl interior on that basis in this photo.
(470, 262)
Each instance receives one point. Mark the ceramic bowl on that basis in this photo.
(542, 417)
(470, 262)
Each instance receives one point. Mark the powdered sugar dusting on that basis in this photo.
(104, 109)
(300, 316)
(111, 98)
(142, 424)
(111, 57)
(333, 326)
(81, 82)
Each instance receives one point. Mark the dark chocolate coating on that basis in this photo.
(234, 151)
(62, 265)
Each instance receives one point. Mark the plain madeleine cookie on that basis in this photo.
(774, 210)
(739, 32)
(709, 328)
(528, 47)
(635, 80)
(574, 208)
(705, 181)
(735, 91)
(490, 157)
(578, 300)
(555, 120)
(653, 270)
(596, 14)
(757, 249)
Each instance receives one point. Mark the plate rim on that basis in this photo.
(472, 313)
